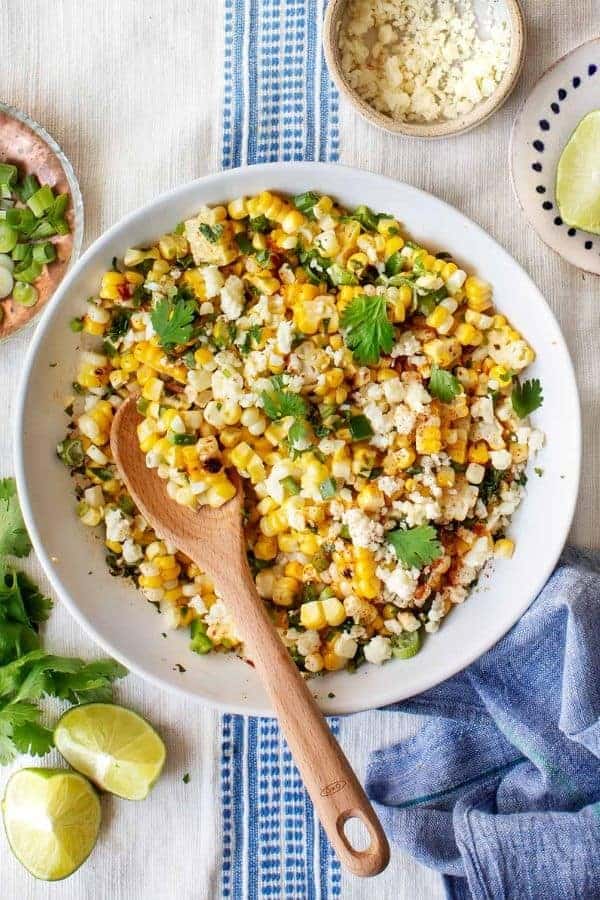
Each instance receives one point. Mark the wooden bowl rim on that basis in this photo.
(442, 128)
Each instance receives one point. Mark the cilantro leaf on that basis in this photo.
(91, 683)
(416, 547)
(212, 233)
(444, 385)
(527, 397)
(172, 321)
(14, 540)
(368, 331)
(280, 402)
(33, 738)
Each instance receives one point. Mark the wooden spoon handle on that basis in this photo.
(327, 775)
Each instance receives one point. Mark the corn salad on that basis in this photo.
(365, 389)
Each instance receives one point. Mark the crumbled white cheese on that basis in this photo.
(422, 60)
(346, 646)
(378, 650)
(213, 281)
(501, 459)
(364, 532)
(118, 527)
(308, 642)
(400, 582)
(232, 297)
(132, 552)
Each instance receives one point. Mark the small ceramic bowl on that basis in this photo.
(566, 92)
(29, 146)
(442, 127)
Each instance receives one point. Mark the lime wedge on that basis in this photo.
(52, 819)
(578, 176)
(113, 746)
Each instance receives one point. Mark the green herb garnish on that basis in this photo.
(444, 385)
(14, 540)
(367, 330)
(527, 397)
(416, 547)
(172, 321)
(212, 233)
(279, 402)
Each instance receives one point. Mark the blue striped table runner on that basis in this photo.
(279, 104)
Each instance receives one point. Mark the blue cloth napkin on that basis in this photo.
(500, 791)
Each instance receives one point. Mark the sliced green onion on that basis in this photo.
(6, 283)
(183, 440)
(5, 192)
(61, 226)
(345, 532)
(41, 201)
(8, 173)
(25, 294)
(29, 187)
(44, 229)
(29, 272)
(13, 218)
(328, 488)
(394, 264)
(200, 641)
(27, 222)
(8, 238)
(71, 452)
(44, 253)
(59, 207)
(142, 405)
(290, 485)
(338, 275)
(406, 644)
(21, 252)
(76, 325)
(360, 428)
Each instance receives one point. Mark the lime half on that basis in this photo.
(578, 176)
(117, 749)
(52, 819)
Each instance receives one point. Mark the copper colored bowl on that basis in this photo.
(27, 145)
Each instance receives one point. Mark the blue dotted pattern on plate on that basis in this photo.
(545, 125)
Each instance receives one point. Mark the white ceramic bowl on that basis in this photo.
(117, 616)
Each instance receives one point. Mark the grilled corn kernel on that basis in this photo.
(285, 591)
(312, 615)
(504, 548)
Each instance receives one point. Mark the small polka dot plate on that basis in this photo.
(562, 97)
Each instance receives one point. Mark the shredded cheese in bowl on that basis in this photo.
(423, 60)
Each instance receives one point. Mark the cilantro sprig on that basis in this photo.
(14, 540)
(443, 385)
(416, 547)
(527, 397)
(27, 671)
(367, 330)
(278, 403)
(172, 321)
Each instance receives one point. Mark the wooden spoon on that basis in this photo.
(214, 539)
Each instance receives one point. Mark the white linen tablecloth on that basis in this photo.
(131, 90)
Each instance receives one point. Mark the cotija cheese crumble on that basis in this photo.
(364, 388)
(422, 60)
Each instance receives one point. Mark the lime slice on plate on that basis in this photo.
(578, 176)
(52, 818)
(113, 746)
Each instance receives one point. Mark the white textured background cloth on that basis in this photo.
(131, 90)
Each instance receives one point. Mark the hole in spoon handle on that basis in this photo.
(363, 848)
